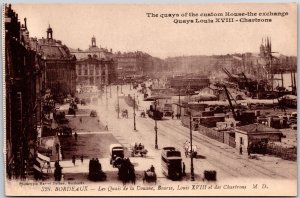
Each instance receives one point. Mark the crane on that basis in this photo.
(229, 100)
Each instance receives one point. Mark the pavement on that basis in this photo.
(94, 142)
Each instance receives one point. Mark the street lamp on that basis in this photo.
(155, 127)
(57, 150)
(106, 95)
(118, 107)
(179, 103)
(134, 124)
(191, 138)
(121, 85)
(191, 144)
(191, 151)
(110, 90)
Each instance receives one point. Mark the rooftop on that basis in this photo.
(50, 48)
(257, 128)
(93, 51)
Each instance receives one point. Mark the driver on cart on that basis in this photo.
(152, 169)
(135, 146)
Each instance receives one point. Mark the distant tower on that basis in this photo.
(268, 47)
(270, 44)
(262, 48)
(49, 33)
(93, 41)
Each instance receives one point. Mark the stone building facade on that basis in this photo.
(133, 64)
(59, 63)
(94, 66)
(23, 91)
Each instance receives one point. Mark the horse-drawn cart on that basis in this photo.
(124, 113)
(138, 150)
(149, 176)
(188, 151)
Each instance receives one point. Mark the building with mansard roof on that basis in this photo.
(59, 63)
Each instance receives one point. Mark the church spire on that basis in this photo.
(270, 45)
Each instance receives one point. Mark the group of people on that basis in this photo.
(138, 146)
(127, 171)
(125, 113)
(143, 114)
(95, 170)
(151, 169)
(74, 159)
(94, 165)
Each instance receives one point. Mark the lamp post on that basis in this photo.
(134, 124)
(57, 150)
(118, 107)
(106, 95)
(121, 85)
(110, 90)
(179, 103)
(155, 127)
(191, 151)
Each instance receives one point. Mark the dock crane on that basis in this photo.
(243, 117)
(228, 94)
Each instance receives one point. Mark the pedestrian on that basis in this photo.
(76, 135)
(48, 167)
(81, 158)
(56, 164)
(248, 150)
(58, 173)
(57, 147)
(183, 169)
(80, 119)
(172, 115)
(73, 159)
(241, 150)
(106, 127)
(132, 174)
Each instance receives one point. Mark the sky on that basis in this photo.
(127, 28)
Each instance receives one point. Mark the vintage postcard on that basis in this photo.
(150, 99)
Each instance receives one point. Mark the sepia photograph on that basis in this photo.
(150, 99)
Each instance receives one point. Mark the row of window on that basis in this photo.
(91, 66)
(86, 72)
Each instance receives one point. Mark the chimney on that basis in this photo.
(25, 22)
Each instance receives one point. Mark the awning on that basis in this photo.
(37, 168)
(40, 162)
(43, 157)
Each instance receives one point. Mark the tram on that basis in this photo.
(171, 163)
